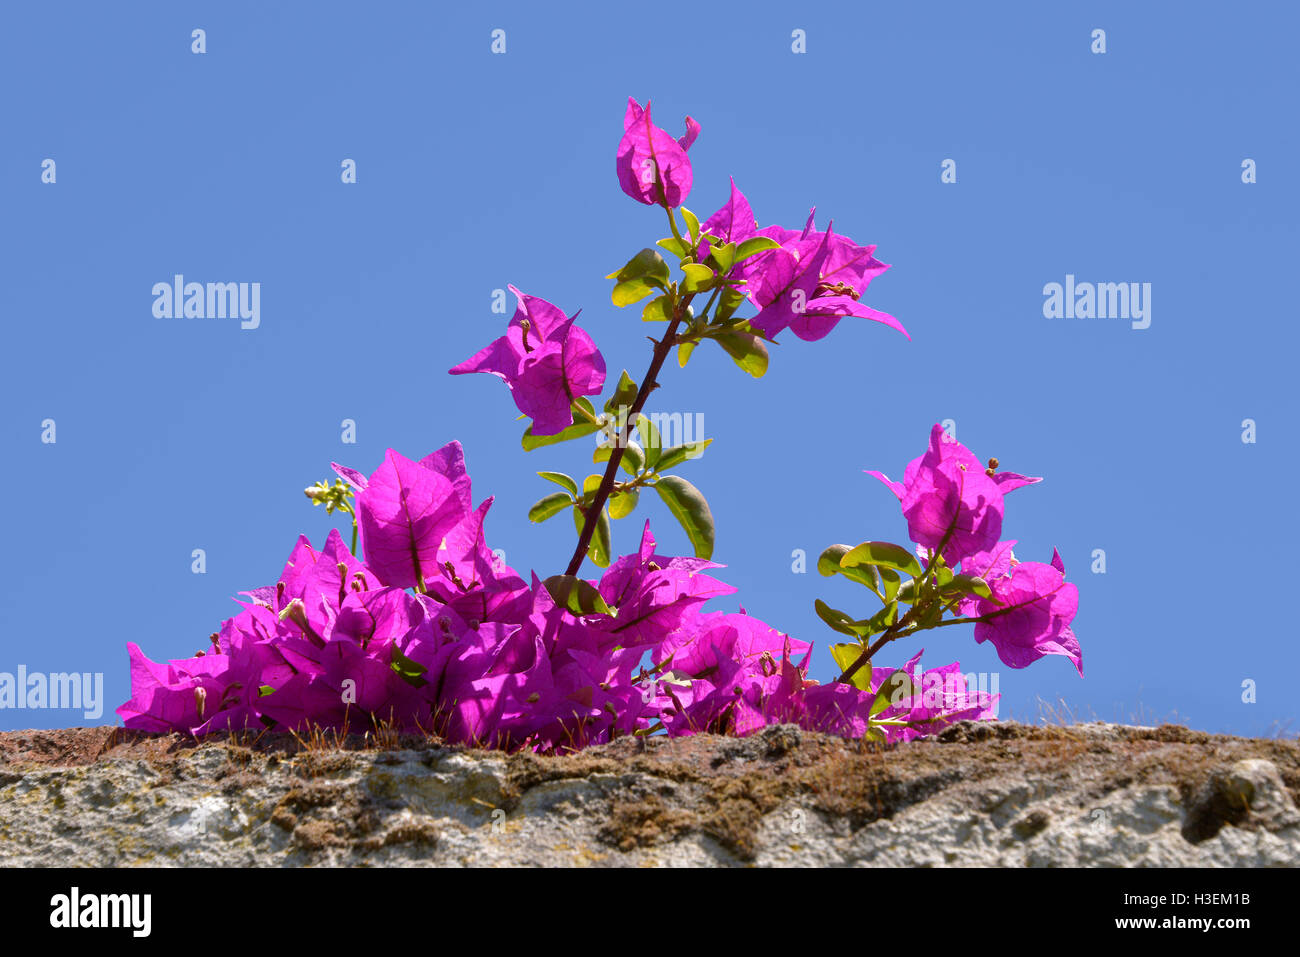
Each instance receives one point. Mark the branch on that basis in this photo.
(648, 384)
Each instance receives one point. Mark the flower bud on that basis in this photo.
(296, 612)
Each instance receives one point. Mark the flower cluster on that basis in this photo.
(424, 628)
(954, 507)
(472, 652)
(962, 572)
(804, 280)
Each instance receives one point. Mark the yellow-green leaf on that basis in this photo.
(691, 510)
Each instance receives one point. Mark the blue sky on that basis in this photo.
(475, 170)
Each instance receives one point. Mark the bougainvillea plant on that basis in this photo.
(418, 625)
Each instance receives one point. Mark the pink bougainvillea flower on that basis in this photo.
(472, 579)
(464, 573)
(652, 166)
(1031, 615)
(449, 462)
(212, 691)
(173, 695)
(320, 580)
(939, 697)
(949, 499)
(997, 562)
(361, 674)
(404, 512)
(811, 282)
(545, 359)
(653, 593)
(954, 450)
(780, 282)
(727, 672)
(709, 637)
(733, 223)
(942, 697)
(994, 563)
(377, 620)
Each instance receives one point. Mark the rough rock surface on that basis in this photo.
(980, 795)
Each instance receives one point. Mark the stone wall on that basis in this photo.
(980, 795)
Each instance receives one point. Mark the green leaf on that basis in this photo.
(630, 291)
(598, 550)
(844, 656)
(265, 690)
(684, 350)
(691, 511)
(968, 585)
(865, 628)
(657, 310)
(647, 265)
(883, 554)
(549, 507)
(881, 620)
(562, 480)
(729, 300)
(623, 504)
(675, 246)
(580, 427)
(722, 258)
(829, 564)
(693, 225)
(624, 394)
(754, 246)
(893, 690)
(679, 454)
(908, 592)
(746, 349)
(577, 595)
(590, 485)
(412, 672)
(633, 459)
(890, 581)
(838, 620)
(650, 439)
(698, 278)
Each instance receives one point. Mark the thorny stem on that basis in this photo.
(892, 632)
(648, 385)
